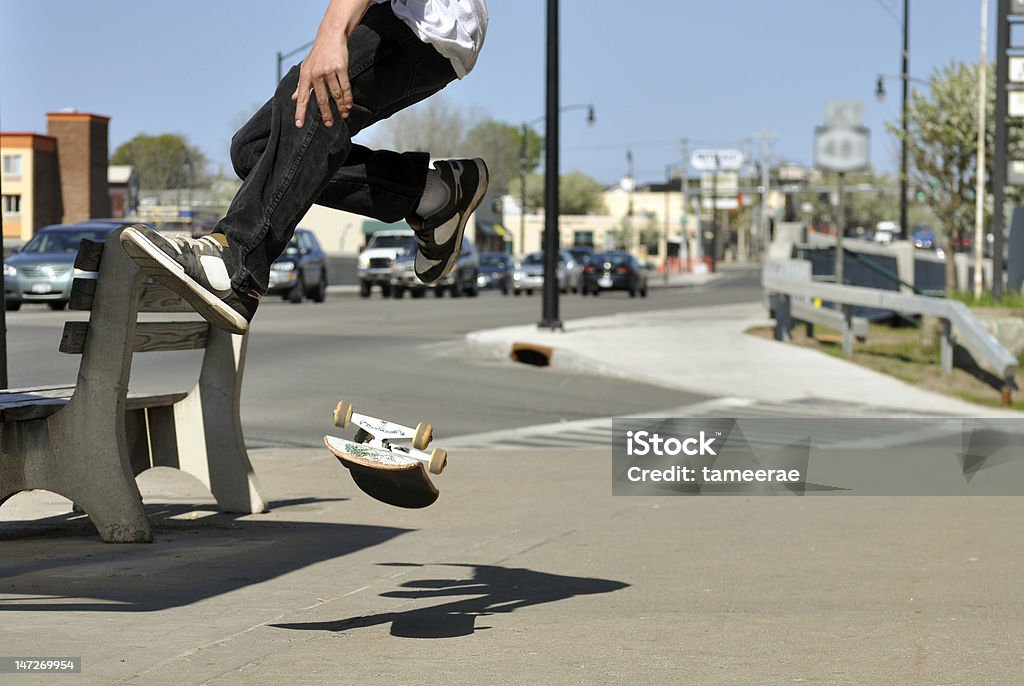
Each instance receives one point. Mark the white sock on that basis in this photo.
(435, 195)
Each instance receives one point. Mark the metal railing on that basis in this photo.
(789, 281)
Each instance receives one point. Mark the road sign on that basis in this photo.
(1016, 70)
(710, 160)
(1015, 103)
(841, 150)
(727, 183)
(844, 114)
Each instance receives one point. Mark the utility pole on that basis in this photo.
(550, 318)
(979, 199)
(766, 161)
(692, 249)
(905, 76)
(840, 229)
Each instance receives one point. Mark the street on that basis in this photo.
(401, 359)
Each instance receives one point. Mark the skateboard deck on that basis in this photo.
(383, 474)
(384, 469)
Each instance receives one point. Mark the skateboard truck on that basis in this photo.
(381, 464)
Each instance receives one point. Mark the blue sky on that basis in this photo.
(713, 71)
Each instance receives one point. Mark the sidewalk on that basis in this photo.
(526, 571)
(705, 350)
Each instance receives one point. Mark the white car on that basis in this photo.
(375, 262)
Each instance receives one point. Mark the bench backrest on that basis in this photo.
(113, 333)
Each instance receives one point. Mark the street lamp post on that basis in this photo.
(524, 132)
(549, 315)
(281, 57)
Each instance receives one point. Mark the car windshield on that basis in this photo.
(391, 242)
(534, 258)
(492, 261)
(293, 247)
(62, 241)
(580, 255)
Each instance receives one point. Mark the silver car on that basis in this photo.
(528, 274)
(42, 271)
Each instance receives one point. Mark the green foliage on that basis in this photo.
(577, 193)
(1011, 299)
(501, 145)
(163, 161)
(942, 145)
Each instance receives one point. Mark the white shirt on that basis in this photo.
(455, 28)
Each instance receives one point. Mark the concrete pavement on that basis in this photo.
(705, 350)
(526, 571)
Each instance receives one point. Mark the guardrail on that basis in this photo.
(789, 281)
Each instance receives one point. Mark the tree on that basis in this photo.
(942, 147)
(500, 144)
(432, 126)
(577, 193)
(163, 161)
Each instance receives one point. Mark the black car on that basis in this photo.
(614, 271)
(301, 271)
(495, 272)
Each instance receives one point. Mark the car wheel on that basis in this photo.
(457, 287)
(385, 290)
(474, 288)
(297, 292)
(418, 292)
(529, 291)
(364, 289)
(438, 292)
(12, 306)
(517, 292)
(397, 292)
(59, 305)
(320, 294)
(643, 291)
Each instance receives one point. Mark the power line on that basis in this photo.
(889, 10)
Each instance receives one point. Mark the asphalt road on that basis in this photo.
(401, 359)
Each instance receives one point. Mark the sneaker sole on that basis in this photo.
(155, 263)
(460, 230)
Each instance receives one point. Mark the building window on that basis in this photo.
(12, 204)
(12, 165)
(583, 238)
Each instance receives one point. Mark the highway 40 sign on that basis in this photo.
(842, 150)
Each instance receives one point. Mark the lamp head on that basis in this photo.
(880, 89)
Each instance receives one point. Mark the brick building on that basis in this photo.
(59, 177)
(30, 183)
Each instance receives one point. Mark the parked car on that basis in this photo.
(462, 280)
(573, 270)
(375, 263)
(43, 269)
(301, 270)
(495, 272)
(528, 274)
(615, 271)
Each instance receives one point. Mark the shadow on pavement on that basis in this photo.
(493, 589)
(60, 564)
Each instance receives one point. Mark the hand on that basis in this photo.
(324, 72)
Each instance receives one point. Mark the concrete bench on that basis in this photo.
(87, 442)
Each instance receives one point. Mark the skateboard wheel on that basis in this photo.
(438, 460)
(424, 434)
(342, 414)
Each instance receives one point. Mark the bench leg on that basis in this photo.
(86, 464)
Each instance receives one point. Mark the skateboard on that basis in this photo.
(393, 473)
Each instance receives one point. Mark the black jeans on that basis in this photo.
(286, 169)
